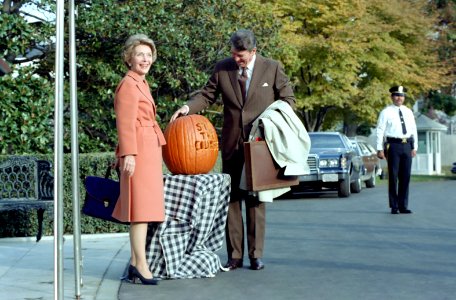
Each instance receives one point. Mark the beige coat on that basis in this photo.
(141, 196)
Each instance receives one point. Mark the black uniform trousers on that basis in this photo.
(399, 158)
(255, 213)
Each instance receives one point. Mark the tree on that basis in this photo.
(440, 101)
(190, 37)
(445, 98)
(341, 55)
(26, 107)
(21, 40)
(344, 55)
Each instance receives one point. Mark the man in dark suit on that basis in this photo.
(248, 84)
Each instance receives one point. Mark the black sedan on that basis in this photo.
(334, 164)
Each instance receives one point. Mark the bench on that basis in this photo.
(26, 183)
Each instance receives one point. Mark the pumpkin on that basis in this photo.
(191, 145)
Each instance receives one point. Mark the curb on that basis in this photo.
(69, 237)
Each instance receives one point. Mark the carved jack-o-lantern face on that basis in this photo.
(191, 145)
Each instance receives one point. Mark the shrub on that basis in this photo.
(24, 223)
(19, 223)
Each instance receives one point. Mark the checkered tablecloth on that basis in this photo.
(196, 208)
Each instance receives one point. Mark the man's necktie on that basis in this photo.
(404, 130)
(242, 82)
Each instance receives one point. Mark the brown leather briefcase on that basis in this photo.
(261, 171)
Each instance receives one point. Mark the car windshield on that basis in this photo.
(326, 141)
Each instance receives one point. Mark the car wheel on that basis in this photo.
(356, 186)
(344, 187)
(370, 183)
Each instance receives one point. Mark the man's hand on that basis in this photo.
(128, 164)
(413, 152)
(181, 111)
(381, 154)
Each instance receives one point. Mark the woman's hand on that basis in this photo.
(128, 164)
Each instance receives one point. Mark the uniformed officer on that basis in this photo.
(397, 141)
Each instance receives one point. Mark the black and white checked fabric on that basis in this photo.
(196, 208)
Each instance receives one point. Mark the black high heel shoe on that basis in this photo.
(130, 272)
(129, 275)
(136, 275)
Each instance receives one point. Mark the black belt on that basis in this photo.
(399, 140)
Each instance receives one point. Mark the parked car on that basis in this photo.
(334, 164)
(453, 169)
(371, 167)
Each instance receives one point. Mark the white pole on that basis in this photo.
(75, 153)
(58, 154)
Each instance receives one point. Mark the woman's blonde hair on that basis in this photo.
(132, 42)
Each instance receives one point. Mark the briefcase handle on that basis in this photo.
(108, 171)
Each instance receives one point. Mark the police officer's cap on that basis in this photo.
(398, 90)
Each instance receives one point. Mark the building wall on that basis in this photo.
(448, 149)
(448, 154)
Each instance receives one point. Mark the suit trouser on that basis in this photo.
(399, 158)
(255, 214)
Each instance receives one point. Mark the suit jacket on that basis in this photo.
(268, 83)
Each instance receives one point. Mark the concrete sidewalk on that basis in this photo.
(317, 247)
(27, 267)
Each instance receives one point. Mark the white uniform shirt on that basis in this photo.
(389, 125)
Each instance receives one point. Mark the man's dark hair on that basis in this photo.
(243, 40)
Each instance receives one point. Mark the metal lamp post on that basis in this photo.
(58, 152)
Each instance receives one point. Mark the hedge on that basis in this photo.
(19, 223)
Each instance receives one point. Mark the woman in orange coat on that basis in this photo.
(139, 154)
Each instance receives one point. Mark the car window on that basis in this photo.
(355, 145)
(364, 149)
(326, 141)
(369, 147)
(372, 149)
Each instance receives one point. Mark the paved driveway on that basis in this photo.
(327, 247)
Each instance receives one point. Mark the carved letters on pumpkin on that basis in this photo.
(209, 139)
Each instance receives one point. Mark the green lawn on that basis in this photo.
(446, 175)
(423, 178)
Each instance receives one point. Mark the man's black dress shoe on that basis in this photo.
(233, 263)
(394, 211)
(256, 264)
(405, 211)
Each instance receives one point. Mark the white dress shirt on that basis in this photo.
(389, 125)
